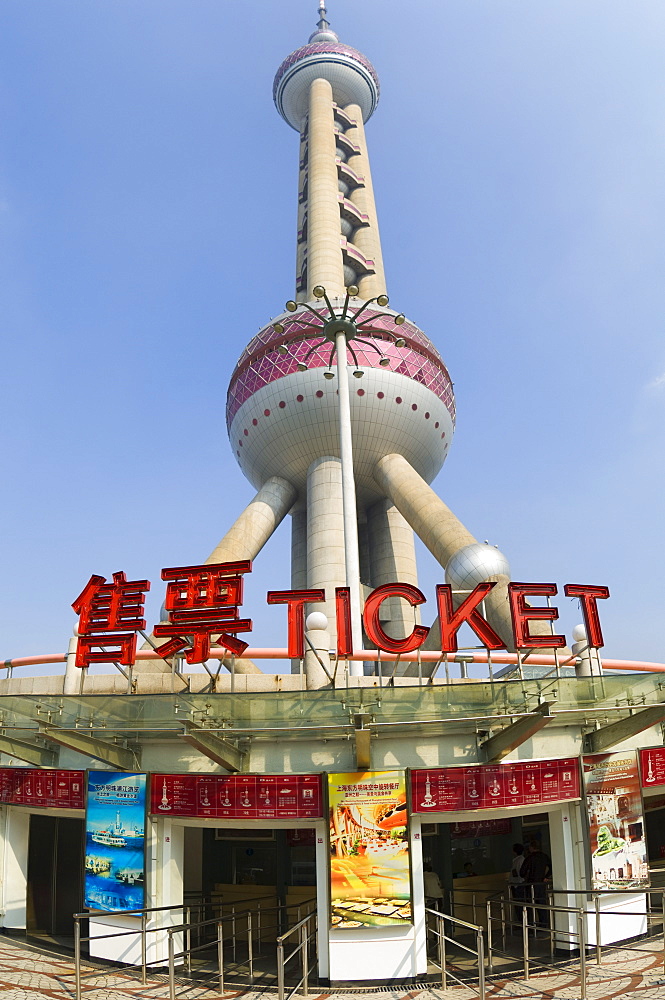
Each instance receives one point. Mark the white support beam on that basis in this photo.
(502, 743)
(103, 750)
(622, 730)
(210, 745)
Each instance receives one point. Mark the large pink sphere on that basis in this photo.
(280, 419)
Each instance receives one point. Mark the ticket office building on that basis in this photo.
(292, 731)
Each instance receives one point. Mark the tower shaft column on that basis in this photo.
(324, 255)
(325, 534)
(366, 238)
(392, 559)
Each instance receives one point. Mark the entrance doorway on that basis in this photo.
(270, 872)
(55, 877)
(474, 857)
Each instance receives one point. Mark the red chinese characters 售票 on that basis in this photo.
(202, 601)
(109, 616)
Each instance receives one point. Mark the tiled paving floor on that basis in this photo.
(26, 974)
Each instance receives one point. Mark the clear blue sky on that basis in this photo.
(148, 230)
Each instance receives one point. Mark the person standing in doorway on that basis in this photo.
(535, 871)
(515, 877)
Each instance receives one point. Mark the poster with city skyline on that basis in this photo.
(115, 841)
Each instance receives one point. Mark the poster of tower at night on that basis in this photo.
(115, 841)
(369, 847)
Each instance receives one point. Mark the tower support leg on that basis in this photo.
(244, 540)
(439, 529)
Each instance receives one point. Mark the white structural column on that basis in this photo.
(367, 238)
(351, 552)
(16, 836)
(392, 560)
(325, 534)
(324, 254)
(298, 559)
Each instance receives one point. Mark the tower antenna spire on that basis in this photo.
(323, 22)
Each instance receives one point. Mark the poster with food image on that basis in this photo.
(616, 820)
(370, 876)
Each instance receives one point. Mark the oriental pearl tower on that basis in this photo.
(341, 410)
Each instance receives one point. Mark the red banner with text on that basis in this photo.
(34, 786)
(494, 786)
(237, 796)
(652, 766)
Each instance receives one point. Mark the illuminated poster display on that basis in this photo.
(115, 841)
(616, 821)
(369, 849)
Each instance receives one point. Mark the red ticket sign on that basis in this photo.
(479, 828)
(32, 786)
(237, 796)
(652, 766)
(494, 786)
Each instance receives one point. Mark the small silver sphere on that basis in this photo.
(474, 564)
(316, 621)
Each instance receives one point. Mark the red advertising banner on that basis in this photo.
(237, 796)
(494, 786)
(652, 766)
(33, 786)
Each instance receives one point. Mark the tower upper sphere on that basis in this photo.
(351, 75)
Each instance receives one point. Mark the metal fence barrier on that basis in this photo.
(436, 922)
(248, 922)
(306, 930)
(501, 910)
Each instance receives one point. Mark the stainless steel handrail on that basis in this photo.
(143, 930)
(439, 932)
(234, 917)
(580, 936)
(307, 928)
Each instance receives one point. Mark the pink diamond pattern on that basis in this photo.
(260, 363)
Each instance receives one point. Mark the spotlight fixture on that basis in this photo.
(291, 306)
(384, 362)
(382, 300)
(328, 374)
(282, 348)
(318, 291)
(358, 373)
(278, 328)
(353, 291)
(301, 367)
(399, 319)
(400, 342)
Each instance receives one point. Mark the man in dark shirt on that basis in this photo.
(535, 870)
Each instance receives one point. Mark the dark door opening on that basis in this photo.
(55, 877)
